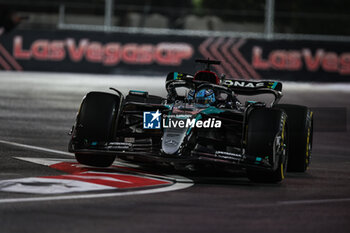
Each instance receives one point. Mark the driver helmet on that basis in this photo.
(205, 97)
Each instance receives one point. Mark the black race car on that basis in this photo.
(201, 123)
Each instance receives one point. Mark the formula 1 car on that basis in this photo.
(205, 125)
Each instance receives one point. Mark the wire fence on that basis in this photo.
(266, 20)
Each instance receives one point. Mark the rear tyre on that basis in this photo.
(266, 133)
(96, 124)
(300, 121)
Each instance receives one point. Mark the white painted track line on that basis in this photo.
(176, 186)
(174, 177)
(42, 149)
(35, 148)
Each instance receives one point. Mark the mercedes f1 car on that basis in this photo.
(200, 123)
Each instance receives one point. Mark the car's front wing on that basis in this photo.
(147, 152)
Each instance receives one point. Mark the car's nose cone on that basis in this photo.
(172, 140)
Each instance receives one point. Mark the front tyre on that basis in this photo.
(300, 121)
(96, 124)
(267, 137)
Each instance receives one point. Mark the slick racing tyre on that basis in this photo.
(300, 121)
(96, 123)
(267, 135)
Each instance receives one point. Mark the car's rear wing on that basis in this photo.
(240, 87)
(243, 87)
(252, 87)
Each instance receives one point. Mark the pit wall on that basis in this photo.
(146, 54)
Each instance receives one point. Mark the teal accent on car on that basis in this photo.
(138, 91)
(258, 159)
(175, 75)
(212, 110)
(274, 85)
(93, 143)
(168, 106)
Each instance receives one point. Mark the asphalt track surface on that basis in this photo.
(39, 109)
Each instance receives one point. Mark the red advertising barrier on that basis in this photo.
(98, 52)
